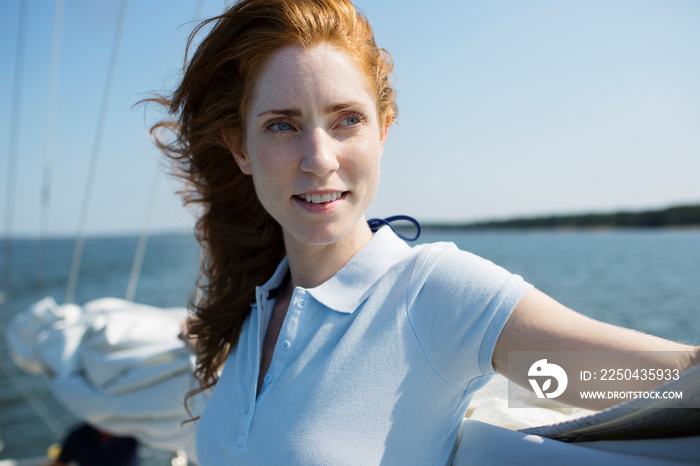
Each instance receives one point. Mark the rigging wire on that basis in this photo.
(10, 187)
(94, 158)
(50, 135)
(10, 374)
(141, 247)
(143, 238)
(34, 400)
(198, 8)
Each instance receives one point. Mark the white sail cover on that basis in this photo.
(118, 365)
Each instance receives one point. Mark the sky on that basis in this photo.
(507, 108)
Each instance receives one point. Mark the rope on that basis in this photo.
(104, 106)
(376, 223)
(15, 118)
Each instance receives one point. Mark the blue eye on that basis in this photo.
(282, 126)
(351, 121)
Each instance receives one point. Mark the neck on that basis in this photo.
(311, 264)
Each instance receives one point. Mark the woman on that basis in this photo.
(340, 346)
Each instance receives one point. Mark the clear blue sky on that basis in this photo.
(507, 108)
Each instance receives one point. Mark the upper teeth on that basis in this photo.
(319, 198)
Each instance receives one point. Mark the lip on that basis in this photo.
(324, 207)
(321, 191)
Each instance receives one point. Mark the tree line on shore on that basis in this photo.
(678, 216)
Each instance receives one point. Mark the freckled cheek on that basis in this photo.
(273, 162)
(363, 170)
(272, 175)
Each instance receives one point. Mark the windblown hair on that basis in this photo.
(241, 243)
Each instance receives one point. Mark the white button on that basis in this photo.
(268, 378)
(301, 304)
(286, 344)
(240, 440)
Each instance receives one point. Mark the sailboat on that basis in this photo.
(43, 337)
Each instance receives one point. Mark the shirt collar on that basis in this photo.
(352, 284)
(262, 293)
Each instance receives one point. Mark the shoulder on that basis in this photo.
(458, 303)
(444, 267)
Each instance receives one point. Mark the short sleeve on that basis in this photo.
(458, 307)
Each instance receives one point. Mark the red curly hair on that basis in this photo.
(242, 245)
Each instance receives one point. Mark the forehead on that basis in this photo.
(322, 73)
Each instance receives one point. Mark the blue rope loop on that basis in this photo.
(376, 223)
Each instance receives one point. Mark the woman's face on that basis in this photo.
(313, 143)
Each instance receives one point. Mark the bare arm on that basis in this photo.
(539, 323)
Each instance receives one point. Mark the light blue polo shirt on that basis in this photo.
(376, 365)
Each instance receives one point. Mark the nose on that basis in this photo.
(320, 157)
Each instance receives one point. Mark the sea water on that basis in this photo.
(648, 280)
(644, 279)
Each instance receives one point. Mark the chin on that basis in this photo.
(321, 235)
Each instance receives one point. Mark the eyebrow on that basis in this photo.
(295, 112)
(342, 106)
(292, 112)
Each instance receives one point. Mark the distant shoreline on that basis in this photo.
(671, 217)
(684, 216)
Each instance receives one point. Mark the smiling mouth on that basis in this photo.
(319, 198)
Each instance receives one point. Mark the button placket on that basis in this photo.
(286, 338)
(257, 316)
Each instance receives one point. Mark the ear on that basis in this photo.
(385, 129)
(238, 152)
